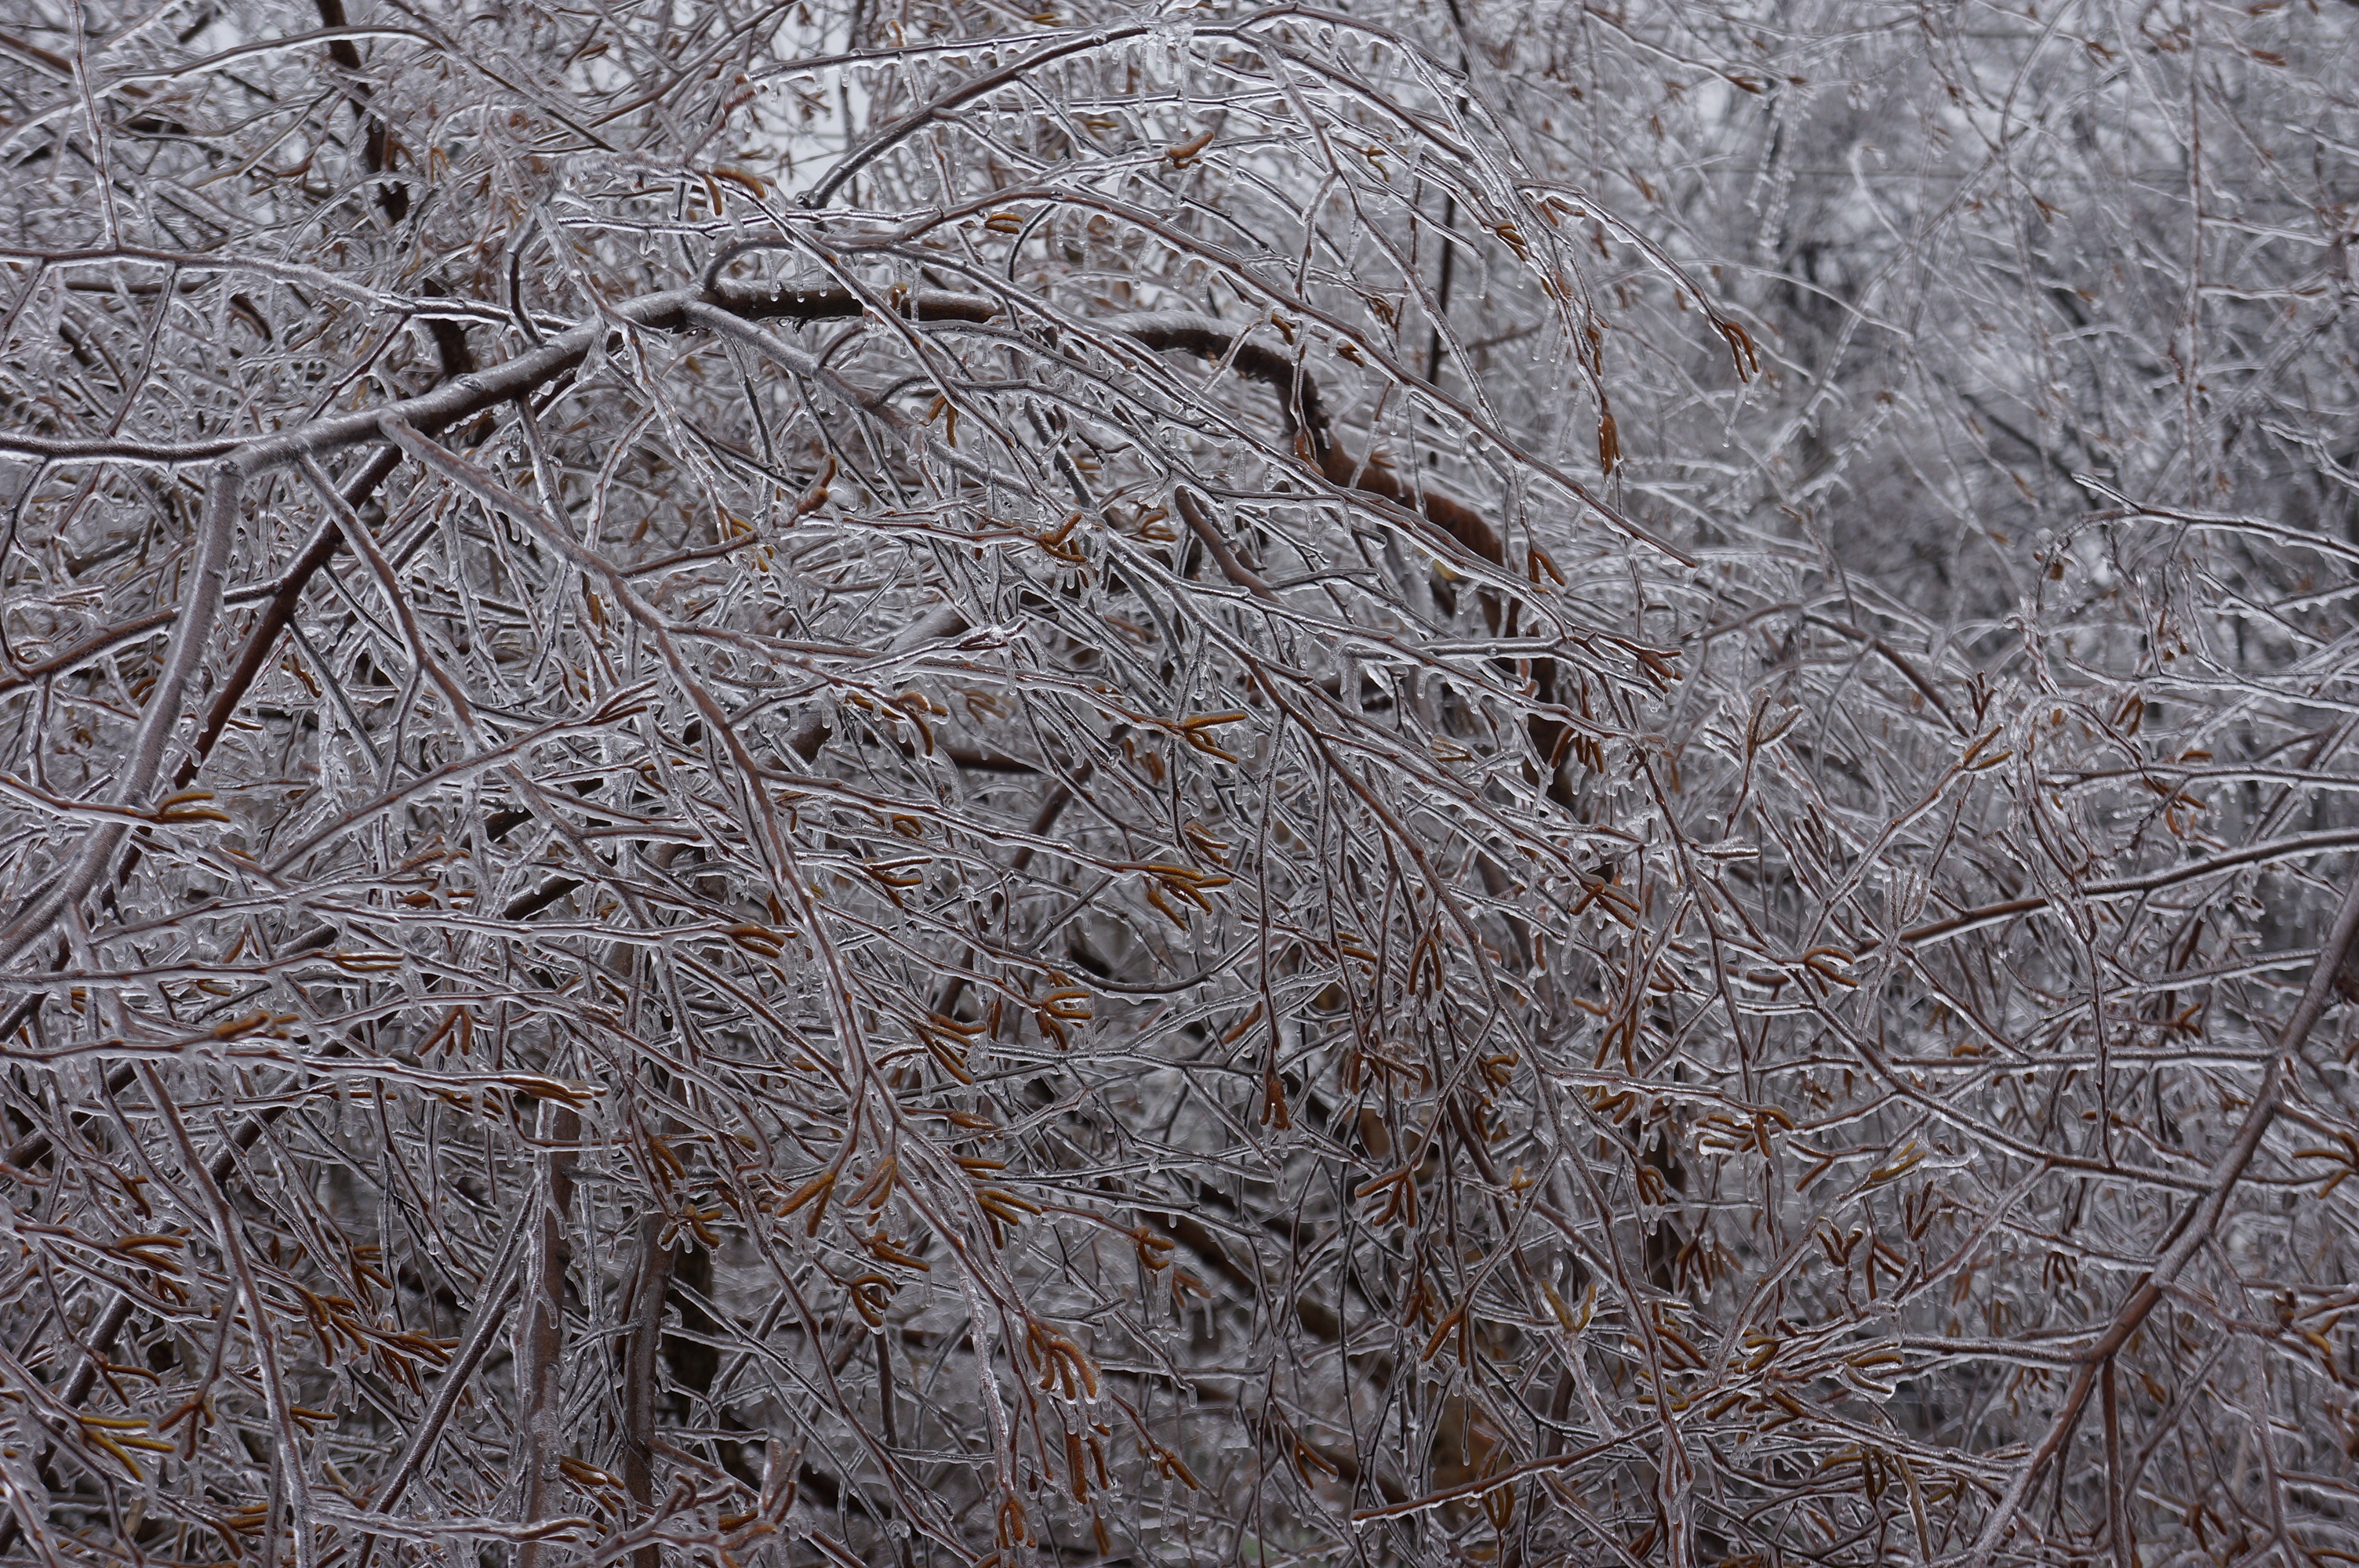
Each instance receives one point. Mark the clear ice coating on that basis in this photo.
(972, 785)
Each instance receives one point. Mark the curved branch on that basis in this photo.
(2127, 887)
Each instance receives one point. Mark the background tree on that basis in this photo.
(1521, 784)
